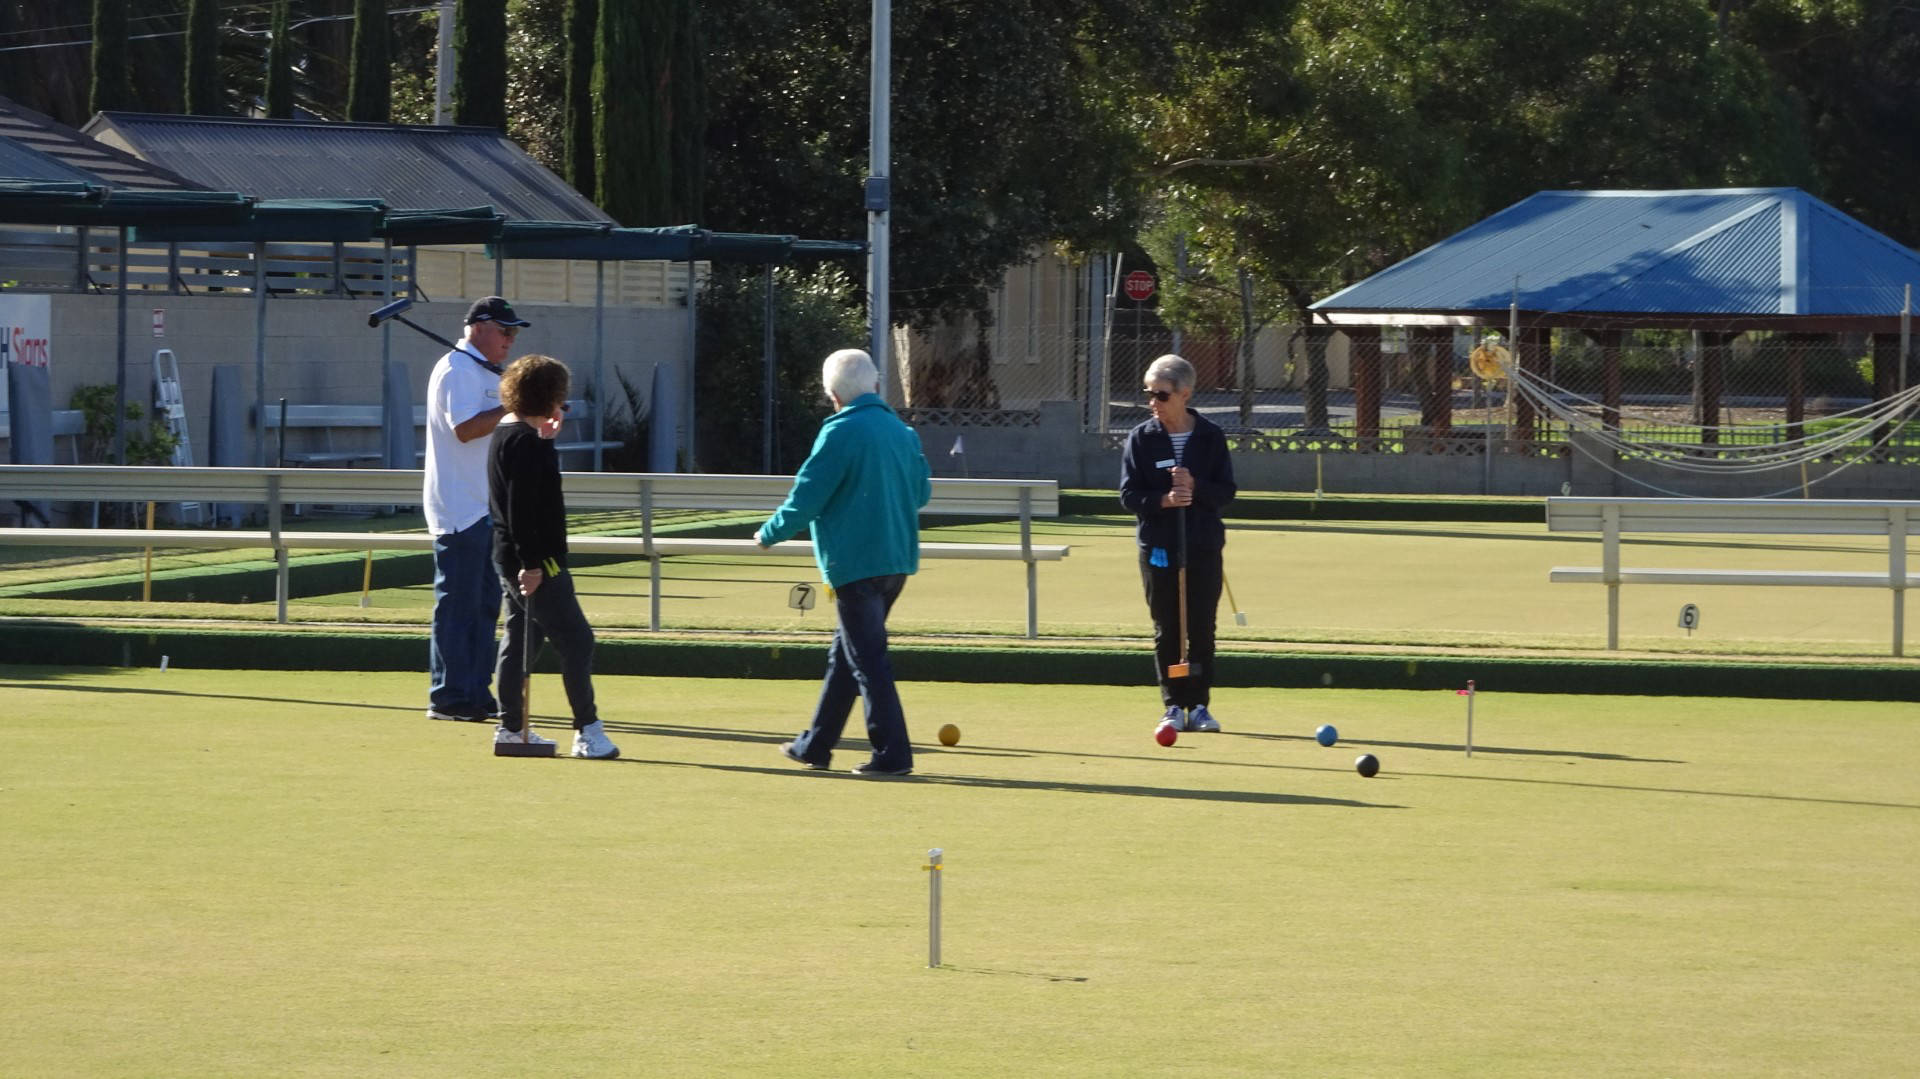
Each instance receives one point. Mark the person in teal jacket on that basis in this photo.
(860, 490)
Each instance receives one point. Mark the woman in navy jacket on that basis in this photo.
(1176, 469)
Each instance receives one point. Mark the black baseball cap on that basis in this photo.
(494, 309)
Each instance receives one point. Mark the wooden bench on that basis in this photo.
(1615, 517)
(330, 418)
(646, 492)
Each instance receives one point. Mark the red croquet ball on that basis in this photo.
(1165, 734)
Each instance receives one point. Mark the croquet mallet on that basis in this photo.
(1181, 669)
(1239, 616)
(526, 746)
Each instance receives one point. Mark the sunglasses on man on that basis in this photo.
(1162, 396)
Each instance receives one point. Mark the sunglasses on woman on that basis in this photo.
(1162, 396)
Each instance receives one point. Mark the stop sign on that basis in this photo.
(1139, 286)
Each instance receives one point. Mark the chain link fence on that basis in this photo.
(1050, 337)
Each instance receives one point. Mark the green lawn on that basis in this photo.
(1363, 582)
(236, 873)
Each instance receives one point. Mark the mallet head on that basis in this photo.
(388, 311)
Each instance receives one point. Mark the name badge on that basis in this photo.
(1168, 463)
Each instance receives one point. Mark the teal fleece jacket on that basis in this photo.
(861, 488)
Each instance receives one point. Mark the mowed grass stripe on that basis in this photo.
(243, 873)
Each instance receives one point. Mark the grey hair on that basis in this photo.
(849, 373)
(1173, 369)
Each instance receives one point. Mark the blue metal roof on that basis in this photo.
(1739, 252)
(406, 167)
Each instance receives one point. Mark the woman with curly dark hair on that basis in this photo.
(530, 552)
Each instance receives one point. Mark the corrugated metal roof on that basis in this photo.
(409, 167)
(39, 147)
(1739, 251)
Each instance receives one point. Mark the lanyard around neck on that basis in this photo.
(477, 358)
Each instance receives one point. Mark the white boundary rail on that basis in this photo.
(649, 493)
(1613, 517)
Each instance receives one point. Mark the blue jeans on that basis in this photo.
(466, 605)
(556, 617)
(857, 666)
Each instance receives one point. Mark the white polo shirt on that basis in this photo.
(455, 492)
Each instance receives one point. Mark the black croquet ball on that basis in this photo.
(1367, 765)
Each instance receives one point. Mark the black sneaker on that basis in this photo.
(434, 712)
(787, 750)
(872, 769)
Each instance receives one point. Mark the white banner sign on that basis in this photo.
(26, 328)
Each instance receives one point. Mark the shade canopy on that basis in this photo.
(278, 221)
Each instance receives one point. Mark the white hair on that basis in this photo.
(1171, 369)
(849, 373)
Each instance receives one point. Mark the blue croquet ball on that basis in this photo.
(1326, 735)
(1367, 765)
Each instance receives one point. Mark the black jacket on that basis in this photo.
(1145, 476)
(529, 512)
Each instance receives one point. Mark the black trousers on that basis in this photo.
(1162, 587)
(555, 616)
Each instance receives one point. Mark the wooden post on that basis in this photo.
(1363, 343)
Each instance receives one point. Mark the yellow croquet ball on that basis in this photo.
(949, 735)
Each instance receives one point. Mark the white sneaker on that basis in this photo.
(527, 736)
(1176, 718)
(591, 743)
(1202, 720)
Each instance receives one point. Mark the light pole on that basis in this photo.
(879, 195)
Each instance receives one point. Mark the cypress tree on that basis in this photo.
(205, 96)
(480, 63)
(687, 116)
(370, 90)
(279, 90)
(110, 87)
(630, 70)
(577, 113)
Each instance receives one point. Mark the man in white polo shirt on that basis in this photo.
(463, 407)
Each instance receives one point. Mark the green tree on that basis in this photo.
(537, 79)
(370, 91)
(280, 71)
(815, 312)
(649, 126)
(580, 19)
(1851, 69)
(206, 91)
(1009, 133)
(110, 87)
(480, 68)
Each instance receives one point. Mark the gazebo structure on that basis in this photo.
(1720, 263)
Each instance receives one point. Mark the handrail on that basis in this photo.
(648, 493)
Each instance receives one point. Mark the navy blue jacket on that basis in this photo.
(1145, 477)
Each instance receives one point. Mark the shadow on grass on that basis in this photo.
(1257, 797)
(1014, 973)
(1460, 747)
(989, 783)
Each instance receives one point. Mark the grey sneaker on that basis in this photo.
(1176, 718)
(787, 750)
(1202, 720)
(872, 769)
(435, 712)
(591, 743)
(520, 737)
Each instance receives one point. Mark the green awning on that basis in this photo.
(473, 225)
(46, 202)
(64, 202)
(743, 247)
(827, 248)
(570, 240)
(276, 220)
